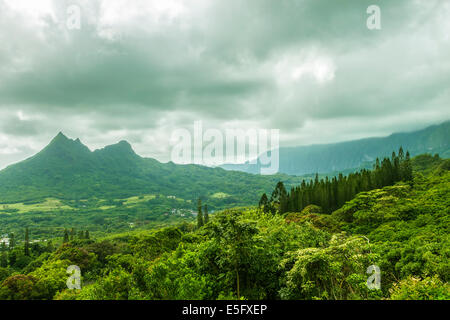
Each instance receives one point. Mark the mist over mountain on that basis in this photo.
(342, 156)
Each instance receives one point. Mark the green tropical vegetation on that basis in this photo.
(332, 194)
(305, 252)
(67, 170)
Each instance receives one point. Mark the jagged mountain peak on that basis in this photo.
(59, 137)
(62, 143)
(123, 147)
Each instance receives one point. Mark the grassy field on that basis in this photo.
(50, 204)
(136, 200)
(53, 204)
(220, 195)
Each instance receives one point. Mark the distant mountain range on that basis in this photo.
(326, 158)
(67, 169)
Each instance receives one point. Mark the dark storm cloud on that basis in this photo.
(138, 70)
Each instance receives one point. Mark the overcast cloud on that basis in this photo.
(137, 70)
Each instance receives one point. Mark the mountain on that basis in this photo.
(342, 156)
(67, 169)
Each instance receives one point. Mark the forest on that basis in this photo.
(332, 194)
(314, 242)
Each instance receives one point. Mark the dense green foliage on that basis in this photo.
(114, 190)
(251, 254)
(332, 194)
(66, 169)
(99, 216)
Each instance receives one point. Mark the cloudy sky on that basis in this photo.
(138, 70)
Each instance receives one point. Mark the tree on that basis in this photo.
(27, 243)
(200, 221)
(396, 166)
(66, 236)
(12, 241)
(237, 239)
(335, 272)
(18, 287)
(414, 288)
(12, 257)
(332, 194)
(206, 216)
(407, 168)
(264, 203)
(77, 256)
(49, 247)
(279, 198)
(401, 154)
(51, 277)
(3, 258)
(4, 273)
(72, 234)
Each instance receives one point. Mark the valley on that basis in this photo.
(132, 253)
(141, 229)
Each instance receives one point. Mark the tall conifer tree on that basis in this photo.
(12, 241)
(199, 214)
(3, 258)
(206, 215)
(66, 236)
(27, 243)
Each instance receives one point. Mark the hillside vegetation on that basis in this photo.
(246, 253)
(67, 170)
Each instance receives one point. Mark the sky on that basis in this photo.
(138, 70)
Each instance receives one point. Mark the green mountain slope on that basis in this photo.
(354, 154)
(67, 169)
(402, 230)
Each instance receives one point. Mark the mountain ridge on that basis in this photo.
(67, 169)
(353, 154)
